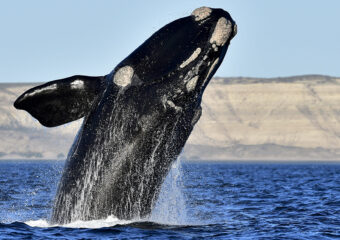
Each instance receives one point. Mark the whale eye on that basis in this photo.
(201, 13)
(123, 76)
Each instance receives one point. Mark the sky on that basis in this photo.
(43, 40)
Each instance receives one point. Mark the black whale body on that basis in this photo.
(136, 119)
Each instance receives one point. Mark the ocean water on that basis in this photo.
(198, 201)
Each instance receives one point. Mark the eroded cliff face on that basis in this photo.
(293, 118)
(243, 118)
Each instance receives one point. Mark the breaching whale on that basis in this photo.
(136, 119)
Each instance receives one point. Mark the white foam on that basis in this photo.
(39, 223)
(108, 222)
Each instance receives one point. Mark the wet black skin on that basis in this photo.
(130, 135)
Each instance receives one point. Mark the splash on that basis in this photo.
(94, 224)
(170, 208)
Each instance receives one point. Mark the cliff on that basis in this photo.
(293, 118)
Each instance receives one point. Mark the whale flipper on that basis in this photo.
(61, 101)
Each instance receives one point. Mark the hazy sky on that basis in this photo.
(46, 40)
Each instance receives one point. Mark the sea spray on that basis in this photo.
(170, 207)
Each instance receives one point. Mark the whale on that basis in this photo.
(136, 119)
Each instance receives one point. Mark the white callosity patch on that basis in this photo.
(210, 70)
(193, 56)
(212, 67)
(77, 84)
(201, 13)
(191, 77)
(197, 115)
(191, 84)
(235, 30)
(166, 102)
(171, 104)
(221, 32)
(214, 47)
(123, 76)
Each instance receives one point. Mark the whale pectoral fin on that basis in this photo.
(61, 101)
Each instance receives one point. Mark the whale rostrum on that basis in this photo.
(136, 119)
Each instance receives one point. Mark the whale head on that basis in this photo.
(181, 57)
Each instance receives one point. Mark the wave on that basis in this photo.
(110, 221)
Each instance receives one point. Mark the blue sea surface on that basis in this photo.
(199, 200)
